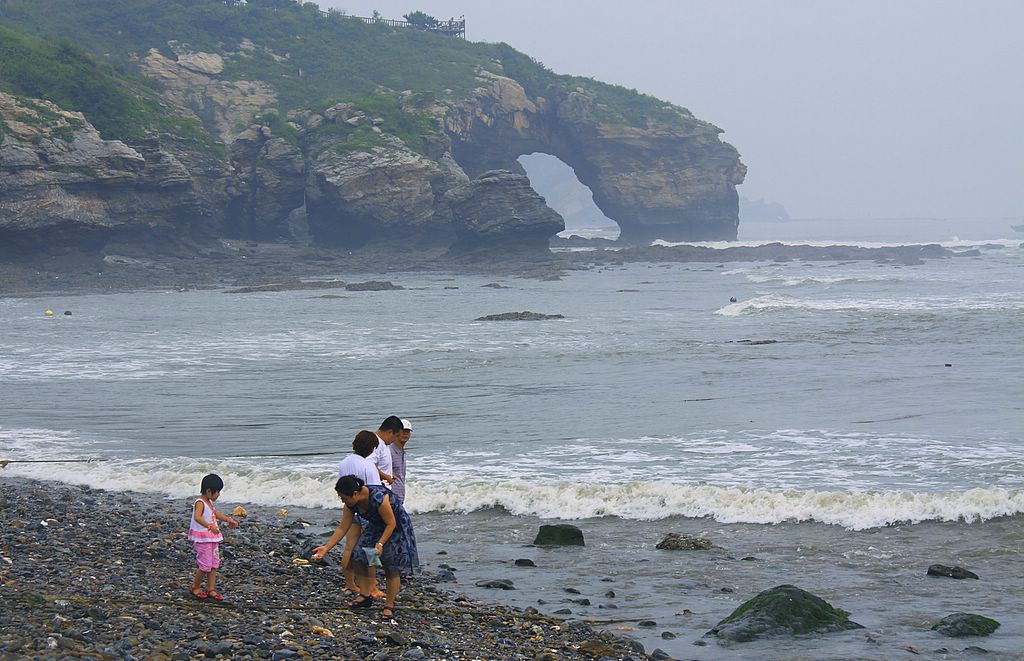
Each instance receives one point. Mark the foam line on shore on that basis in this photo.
(950, 243)
(646, 501)
(776, 302)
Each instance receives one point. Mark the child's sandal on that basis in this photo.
(216, 596)
(199, 594)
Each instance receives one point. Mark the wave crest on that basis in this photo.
(644, 501)
(652, 501)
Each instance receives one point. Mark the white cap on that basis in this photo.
(406, 425)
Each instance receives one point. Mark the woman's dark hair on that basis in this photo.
(211, 482)
(348, 485)
(365, 443)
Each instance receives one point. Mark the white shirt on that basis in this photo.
(361, 467)
(381, 456)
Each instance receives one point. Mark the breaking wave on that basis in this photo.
(311, 487)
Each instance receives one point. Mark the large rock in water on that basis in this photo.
(559, 534)
(959, 625)
(666, 175)
(500, 210)
(951, 572)
(784, 610)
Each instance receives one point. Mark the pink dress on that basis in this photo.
(205, 541)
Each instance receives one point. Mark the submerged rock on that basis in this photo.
(951, 572)
(496, 583)
(560, 534)
(373, 285)
(785, 610)
(680, 542)
(519, 316)
(959, 625)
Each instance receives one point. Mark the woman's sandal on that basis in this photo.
(216, 596)
(361, 601)
(388, 613)
(198, 593)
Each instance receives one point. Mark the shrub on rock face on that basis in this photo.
(959, 625)
(784, 610)
(561, 534)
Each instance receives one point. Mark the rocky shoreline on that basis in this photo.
(95, 574)
(270, 266)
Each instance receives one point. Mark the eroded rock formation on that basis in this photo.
(305, 177)
(62, 185)
(499, 210)
(669, 179)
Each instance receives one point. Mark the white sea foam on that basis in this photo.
(796, 281)
(775, 302)
(180, 478)
(952, 244)
(652, 501)
(250, 483)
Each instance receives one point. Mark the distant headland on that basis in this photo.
(276, 122)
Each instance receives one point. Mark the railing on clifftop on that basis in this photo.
(453, 27)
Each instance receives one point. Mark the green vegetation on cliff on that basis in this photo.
(310, 58)
(62, 72)
(615, 104)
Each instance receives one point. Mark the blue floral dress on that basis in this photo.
(400, 550)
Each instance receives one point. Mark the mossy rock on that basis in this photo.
(784, 610)
(959, 625)
(560, 534)
(682, 542)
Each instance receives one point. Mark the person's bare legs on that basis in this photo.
(211, 582)
(373, 583)
(351, 539)
(365, 580)
(394, 581)
(197, 582)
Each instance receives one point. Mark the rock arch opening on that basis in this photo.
(565, 193)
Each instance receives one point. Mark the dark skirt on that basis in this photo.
(399, 553)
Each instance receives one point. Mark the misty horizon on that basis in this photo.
(901, 111)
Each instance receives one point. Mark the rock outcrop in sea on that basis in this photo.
(959, 625)
(784, 610)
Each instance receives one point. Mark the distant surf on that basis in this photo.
(953, 243)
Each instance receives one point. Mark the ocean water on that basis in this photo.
(880, 432)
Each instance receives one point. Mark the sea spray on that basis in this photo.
(645, 501)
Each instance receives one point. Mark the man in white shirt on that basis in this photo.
(387, 433)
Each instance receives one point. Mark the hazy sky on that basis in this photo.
(875, 108)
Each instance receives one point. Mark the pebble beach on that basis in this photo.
(93, 574)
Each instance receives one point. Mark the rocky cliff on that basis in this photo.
(398, 167)
(61, 183)
(671, 178)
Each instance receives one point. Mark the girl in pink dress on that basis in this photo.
(204, 533)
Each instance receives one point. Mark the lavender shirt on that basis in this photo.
(398, 465)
